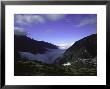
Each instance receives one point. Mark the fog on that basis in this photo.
(49, 57)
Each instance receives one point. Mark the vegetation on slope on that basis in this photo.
(35, 68)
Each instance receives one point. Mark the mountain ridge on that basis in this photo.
(26, 44)
(84, 50)
(78, 60)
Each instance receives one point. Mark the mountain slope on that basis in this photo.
(81, 56)
(26, 44)
(83, 51)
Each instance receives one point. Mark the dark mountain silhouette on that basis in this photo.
(82, 56)
(83, 51)
(26, 44)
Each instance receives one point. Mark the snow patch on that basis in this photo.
(67, 64)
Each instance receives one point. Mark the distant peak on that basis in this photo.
(64, 46)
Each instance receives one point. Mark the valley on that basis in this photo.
(40, 58)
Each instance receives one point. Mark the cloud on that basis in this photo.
(26, 19)
(55, 17)
(87, 21)
(48, 57)
(64, 46)
(19, 31)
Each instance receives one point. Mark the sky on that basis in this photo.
(58, 29)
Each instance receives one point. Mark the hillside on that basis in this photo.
(81, 57)
(83, 51)
(26, 44)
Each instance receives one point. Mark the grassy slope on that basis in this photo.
(34, 68)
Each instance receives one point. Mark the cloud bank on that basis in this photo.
(26, 19)
(19, 31)
(49, 57)
(87, 21)
(55, 17)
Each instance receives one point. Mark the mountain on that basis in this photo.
(26, 44)
(45, 59)
(83, 51)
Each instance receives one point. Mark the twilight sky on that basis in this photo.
(59, 29)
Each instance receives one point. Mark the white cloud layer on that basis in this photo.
(19, 31)
(28, 19)
(55, 17)
(87, 21)
(49, 57)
